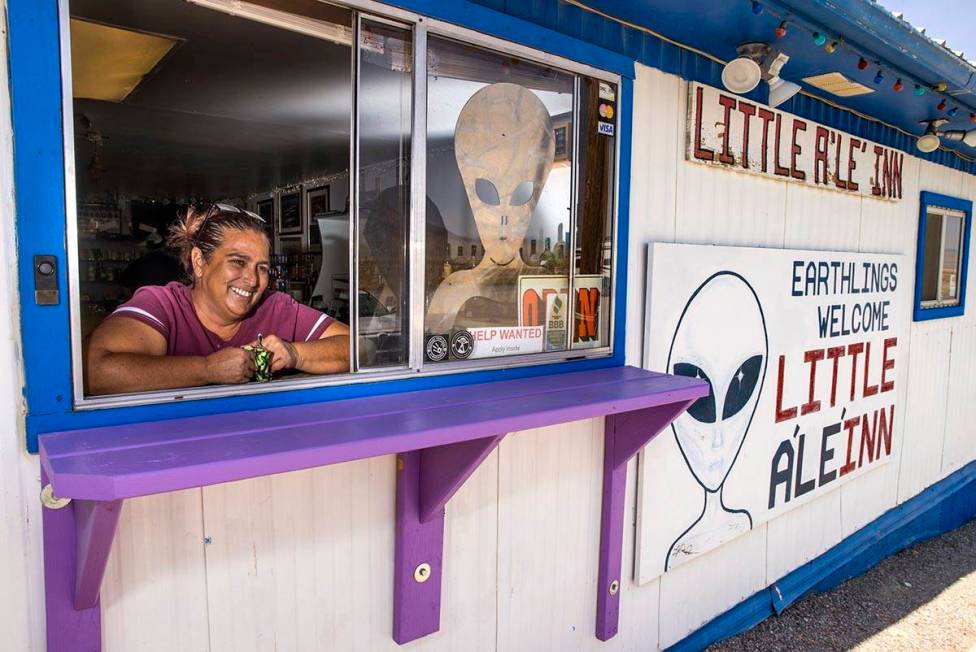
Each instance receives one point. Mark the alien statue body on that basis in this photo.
(504, 147)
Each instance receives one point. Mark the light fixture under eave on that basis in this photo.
(965, 137)
(743, 74)
(781, 90)
(929, 141)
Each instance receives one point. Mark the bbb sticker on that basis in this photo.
(436, 348)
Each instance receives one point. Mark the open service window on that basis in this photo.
(267, 195)
(942, 257)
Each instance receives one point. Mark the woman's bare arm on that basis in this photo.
(125, 355)
(327, 355)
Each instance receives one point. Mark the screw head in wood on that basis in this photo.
(422, 573)
(49, 500)
(614, 587)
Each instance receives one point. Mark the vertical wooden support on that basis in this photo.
(426, 480)
(77, 541)
(624, 435)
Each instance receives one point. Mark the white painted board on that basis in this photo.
(756, 323)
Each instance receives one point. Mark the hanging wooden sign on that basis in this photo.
(736, 133)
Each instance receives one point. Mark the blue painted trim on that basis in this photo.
(934, 199)
(35, 89)
(39, 180)
(942, 507)
(512, 26)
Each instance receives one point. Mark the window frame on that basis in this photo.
(926, 310)
(44, 159)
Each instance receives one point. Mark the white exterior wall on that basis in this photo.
(304, 561)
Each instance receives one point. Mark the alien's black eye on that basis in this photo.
(741, 386)
(704, 408)
(522, 194)
(487, 192)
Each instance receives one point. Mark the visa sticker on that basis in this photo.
(605, 128)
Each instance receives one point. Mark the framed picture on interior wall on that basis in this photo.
(290, 212)
(265, 208)
(317, 206)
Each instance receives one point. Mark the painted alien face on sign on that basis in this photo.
(720, 338)
(504, 147)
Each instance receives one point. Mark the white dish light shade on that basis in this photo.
(927, 143)
(741, 75)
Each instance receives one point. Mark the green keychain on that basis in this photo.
(262, 361)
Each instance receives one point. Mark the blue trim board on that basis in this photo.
(35, 72)
(942, 507)
(934, 199)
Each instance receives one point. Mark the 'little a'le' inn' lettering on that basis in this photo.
(731, 131)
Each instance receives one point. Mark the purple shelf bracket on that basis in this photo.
(77, 541)
(624, 435)
(426, 480)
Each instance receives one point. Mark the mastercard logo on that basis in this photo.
(606, 111)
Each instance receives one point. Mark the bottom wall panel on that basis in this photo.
(942, 507)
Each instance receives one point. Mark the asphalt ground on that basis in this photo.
(923, 598)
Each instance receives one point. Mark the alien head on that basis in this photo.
(504, 147)
(721, 338)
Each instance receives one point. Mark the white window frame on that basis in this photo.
(421, 26)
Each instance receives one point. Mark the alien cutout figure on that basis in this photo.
(721, 338)
(504, 146)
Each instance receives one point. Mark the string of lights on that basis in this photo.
(838, 43)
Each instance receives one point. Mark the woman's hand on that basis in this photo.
(284, 355)
(231, 365)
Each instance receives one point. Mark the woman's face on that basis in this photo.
(236, 276)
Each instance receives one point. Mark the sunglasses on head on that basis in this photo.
(227, 208)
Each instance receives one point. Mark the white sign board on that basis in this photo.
(802, 352)
(733, 132)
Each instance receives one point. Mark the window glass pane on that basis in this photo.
(499, 183)
(949, 290)
(178, 106)
(933, 244)
(385, 109)
(594, 234)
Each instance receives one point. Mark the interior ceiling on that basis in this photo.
(237, 106)
(718, 26)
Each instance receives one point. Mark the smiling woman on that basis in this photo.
(207, 332)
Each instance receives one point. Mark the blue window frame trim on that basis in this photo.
(35, 86)
(943, 201)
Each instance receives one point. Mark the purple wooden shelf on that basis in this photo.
(440, 436)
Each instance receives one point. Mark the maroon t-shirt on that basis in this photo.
(168, 310)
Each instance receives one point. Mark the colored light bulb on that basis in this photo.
(941, 106)
(819, 38)
(757, 8)
(898, 86)
(878, 78)
(862, 63)
(972, 118)
(919, 91)
(953, 111)
(781, 30)
(941, 87)
(831, 47)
